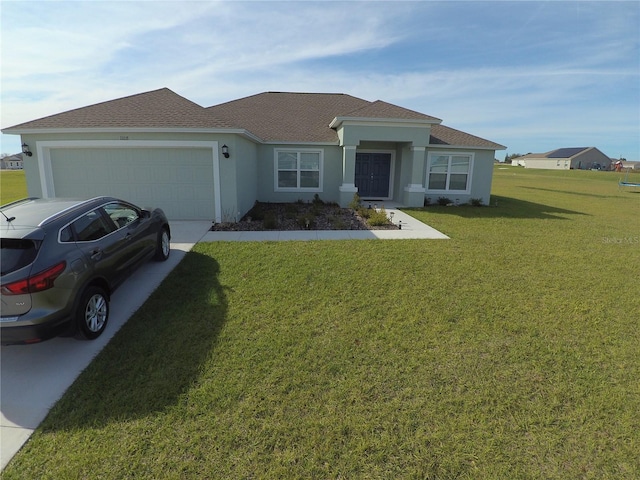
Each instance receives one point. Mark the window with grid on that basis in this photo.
(298, 170)
(449, 172)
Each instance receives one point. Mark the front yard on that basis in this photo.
(509, 351)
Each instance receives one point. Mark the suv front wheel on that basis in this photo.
(92, 313)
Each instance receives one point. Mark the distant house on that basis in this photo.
(626, 165)
(11, 162)
(160, 149)
(579, 158)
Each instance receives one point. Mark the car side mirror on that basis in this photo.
(145, 214)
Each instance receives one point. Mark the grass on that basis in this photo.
(509, 351)
(13, 186)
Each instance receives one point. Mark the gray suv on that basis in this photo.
(62, 259)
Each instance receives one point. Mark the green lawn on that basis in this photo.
(13, 186)
(507, 352)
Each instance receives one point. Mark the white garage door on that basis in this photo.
(178, 180)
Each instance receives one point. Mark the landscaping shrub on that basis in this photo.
(378, 218)
(270, 221)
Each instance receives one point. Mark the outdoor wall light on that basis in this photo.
(25, 150)
(225, 151)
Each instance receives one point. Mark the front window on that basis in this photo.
(298, 170)
(449, 172)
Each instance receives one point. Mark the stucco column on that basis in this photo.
(348, 187)
(414, 192)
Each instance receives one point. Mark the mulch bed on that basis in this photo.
(299, 216)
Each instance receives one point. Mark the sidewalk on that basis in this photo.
(411, 229)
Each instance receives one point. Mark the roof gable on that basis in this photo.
(380, 109)
(161, 108)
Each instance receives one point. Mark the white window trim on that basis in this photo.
(450, 154)
(276, 188)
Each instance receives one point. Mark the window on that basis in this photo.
(298, 170)
(121, 213)
(92, 226)
(449, 172)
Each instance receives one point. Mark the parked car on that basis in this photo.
(63, 258)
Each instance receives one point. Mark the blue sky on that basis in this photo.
(533, 76)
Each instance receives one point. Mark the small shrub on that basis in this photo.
(317, 200)
(270, 221)
(365, 212)
(355, 202)
(337, 223)
(427, 201)
(307, 222)
(476, 202)
(444, 201)
(378, 218)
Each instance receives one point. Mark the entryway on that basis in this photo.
(373, 174)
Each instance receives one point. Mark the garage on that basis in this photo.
(180, 180)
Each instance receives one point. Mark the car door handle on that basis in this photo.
(96, 254)
(128, 236)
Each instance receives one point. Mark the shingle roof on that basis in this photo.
(288, 117)
(161, 108)
(271, 116)
(380, 109)
(566, 152)
(442, 135)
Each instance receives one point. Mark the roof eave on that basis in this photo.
(57, 131)
(337, 121)
(467, 147)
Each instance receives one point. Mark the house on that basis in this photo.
(158, 148)
(11, 162)
(580, 158)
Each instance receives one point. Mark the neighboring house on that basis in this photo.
(580, 158)
(626, 165)
(11, 162)
(158, 148)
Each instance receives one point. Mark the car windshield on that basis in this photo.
(16, 254)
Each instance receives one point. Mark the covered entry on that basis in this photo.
(373, 174)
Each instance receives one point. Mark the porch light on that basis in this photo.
(25, 150)
(225, 151)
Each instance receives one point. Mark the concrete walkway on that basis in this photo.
(410, 228)
(34, 377)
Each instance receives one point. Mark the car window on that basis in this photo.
(121, 213)
(16, 253)
(92, 226)
(66, 234)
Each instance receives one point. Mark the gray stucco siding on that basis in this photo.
(481, 177)
(331, 174)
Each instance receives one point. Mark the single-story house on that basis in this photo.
(159, 148)
(580, 158)
(11, 162)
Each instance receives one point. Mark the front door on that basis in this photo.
(373, 171)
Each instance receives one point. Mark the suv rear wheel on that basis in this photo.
(92, 313)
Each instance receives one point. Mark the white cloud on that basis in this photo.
(530, 81)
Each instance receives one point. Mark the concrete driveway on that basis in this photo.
(34, 377)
